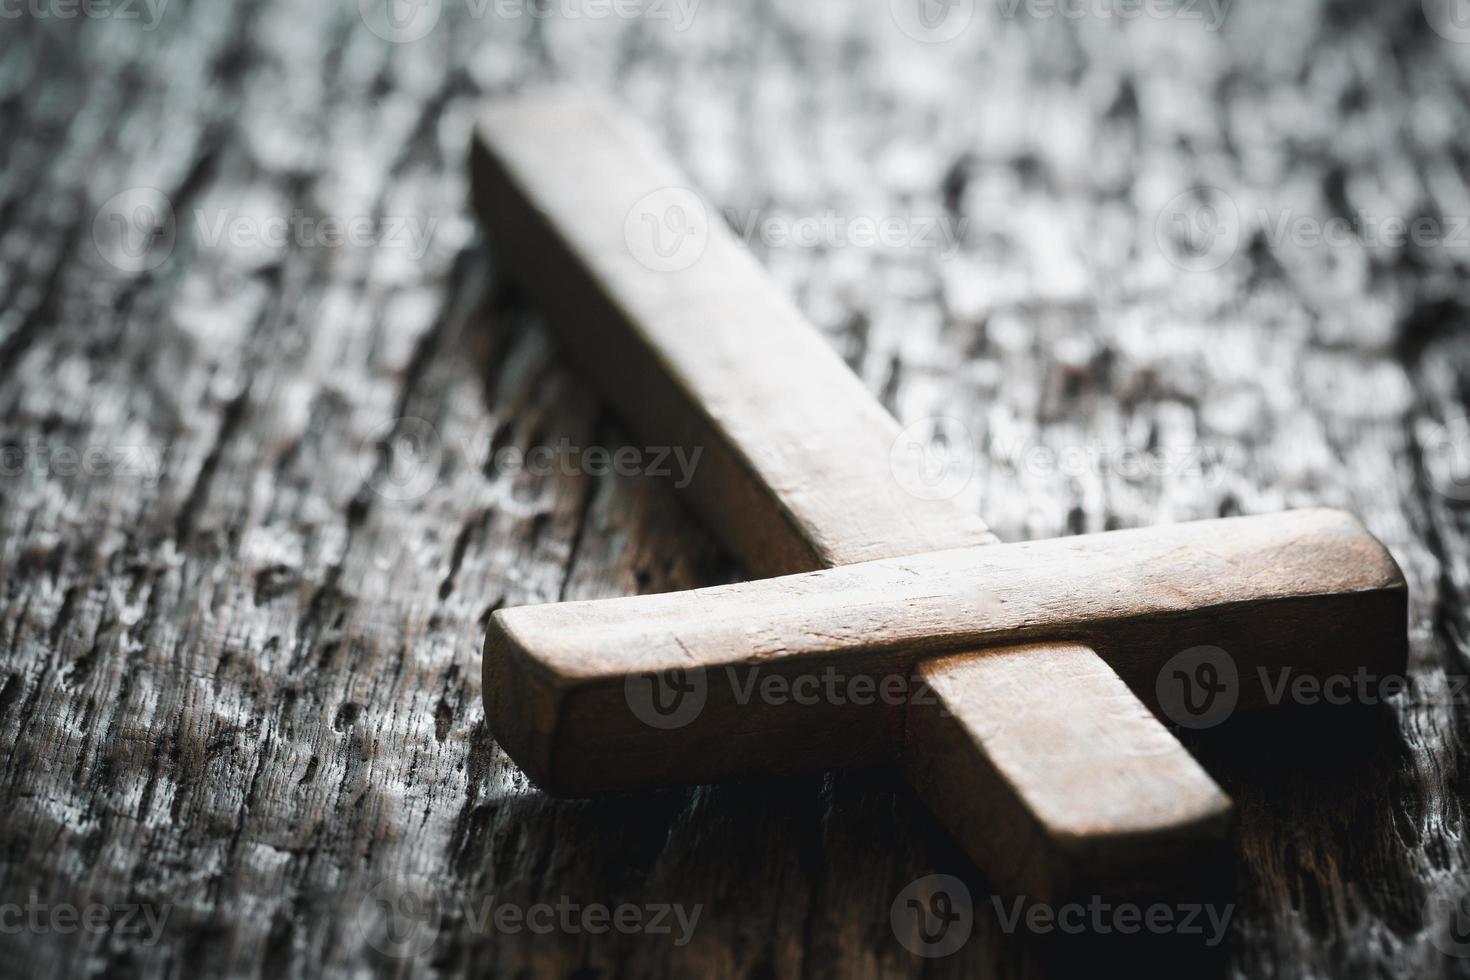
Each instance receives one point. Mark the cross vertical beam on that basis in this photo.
(796, 476)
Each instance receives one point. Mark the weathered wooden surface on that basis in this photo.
(800, 468)
(248, 691)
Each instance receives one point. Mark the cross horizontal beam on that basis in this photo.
(1310, 591)
(696, 347)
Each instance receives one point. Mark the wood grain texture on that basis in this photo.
(249, 690)
(795, 469)
(1048, 801)
(1307, 592)
(805, 469)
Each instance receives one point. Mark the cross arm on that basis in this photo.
(1308, 590)
(704, 351)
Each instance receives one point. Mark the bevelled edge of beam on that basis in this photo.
(795, 472)
(1058, 804)
(1310, 590)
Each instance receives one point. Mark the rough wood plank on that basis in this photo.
(802, 468)
(155, 636)
(795, 457)
(1305, 593)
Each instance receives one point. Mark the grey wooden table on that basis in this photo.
(239, 631)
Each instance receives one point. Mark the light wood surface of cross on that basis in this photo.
(1025, 735)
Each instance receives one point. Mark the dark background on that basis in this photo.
(239, 661)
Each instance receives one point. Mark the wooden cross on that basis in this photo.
(1004, 677)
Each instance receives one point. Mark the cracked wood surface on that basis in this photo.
(798, 471)
(239, 658)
